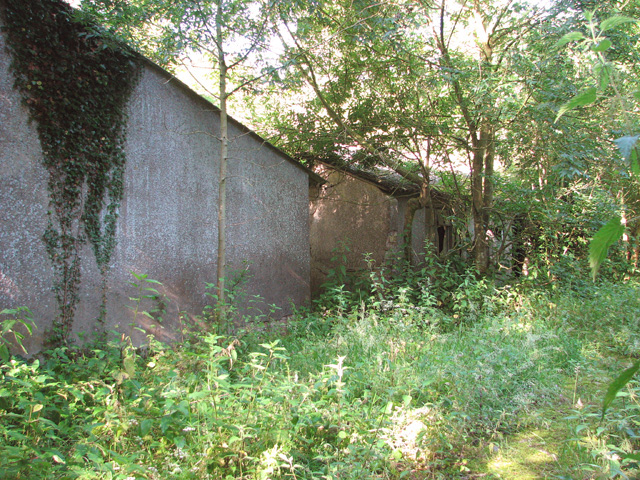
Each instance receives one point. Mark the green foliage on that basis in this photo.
(617, 385)
(76, 86)
(12, 321)
(145, 293)
(584, 98)
(602, 240)
(378, 390)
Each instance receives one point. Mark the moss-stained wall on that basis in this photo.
(168, 216)
(25, 275)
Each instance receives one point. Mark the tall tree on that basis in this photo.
(498, 29)
(414, 86)
(229, 33)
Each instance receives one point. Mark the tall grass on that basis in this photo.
(383, 389)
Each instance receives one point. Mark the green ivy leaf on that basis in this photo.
(568, 38)
(580, 100)
(601, 241)
(617, 385)
(615, 21)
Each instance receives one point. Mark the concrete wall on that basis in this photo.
(347, 212)
(168, 218)
(25, 275)
(353, 212)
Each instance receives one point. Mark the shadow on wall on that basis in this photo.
(348, 218)
(357, 222)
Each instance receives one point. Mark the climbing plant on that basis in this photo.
(76, 85)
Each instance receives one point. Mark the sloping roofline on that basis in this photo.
(313, 177)
(386, 181)
(126, 48)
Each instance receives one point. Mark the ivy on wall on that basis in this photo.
(76, 86)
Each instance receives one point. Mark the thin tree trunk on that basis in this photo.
(224, 147)
(487, 143)
(477, 209)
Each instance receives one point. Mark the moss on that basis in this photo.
(76, 86)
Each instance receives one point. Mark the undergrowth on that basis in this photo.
(389, 387)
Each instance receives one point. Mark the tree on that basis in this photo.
(229, 33)
(401, 86)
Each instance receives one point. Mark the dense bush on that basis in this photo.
(389, 388)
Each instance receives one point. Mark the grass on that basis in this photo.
(507, 385)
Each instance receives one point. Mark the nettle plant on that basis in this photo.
(76, 84)
(598, 40)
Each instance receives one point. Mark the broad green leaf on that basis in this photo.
(580, 100)
(4, 353)
(637, 94)
(601, 241)
(568, 38)
(120, 377)
(617, 385)
(602, 46)
(631, 456)
(129, 364)
(141, 276)
(7, 325)
(626, 145)
(200, 394)
(613, 22)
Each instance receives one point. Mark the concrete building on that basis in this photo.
(168, 223)
(357, 218)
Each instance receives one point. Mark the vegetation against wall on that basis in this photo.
(76, 86)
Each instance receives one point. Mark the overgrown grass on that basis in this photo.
(389, 388)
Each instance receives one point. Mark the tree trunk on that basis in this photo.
(487, 143)
(480, 245)
(224, 147)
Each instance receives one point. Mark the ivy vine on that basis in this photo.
(76, 85)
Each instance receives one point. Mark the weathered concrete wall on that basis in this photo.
(347, 212)
(25, 275)
(168, 218)
(351, 211)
